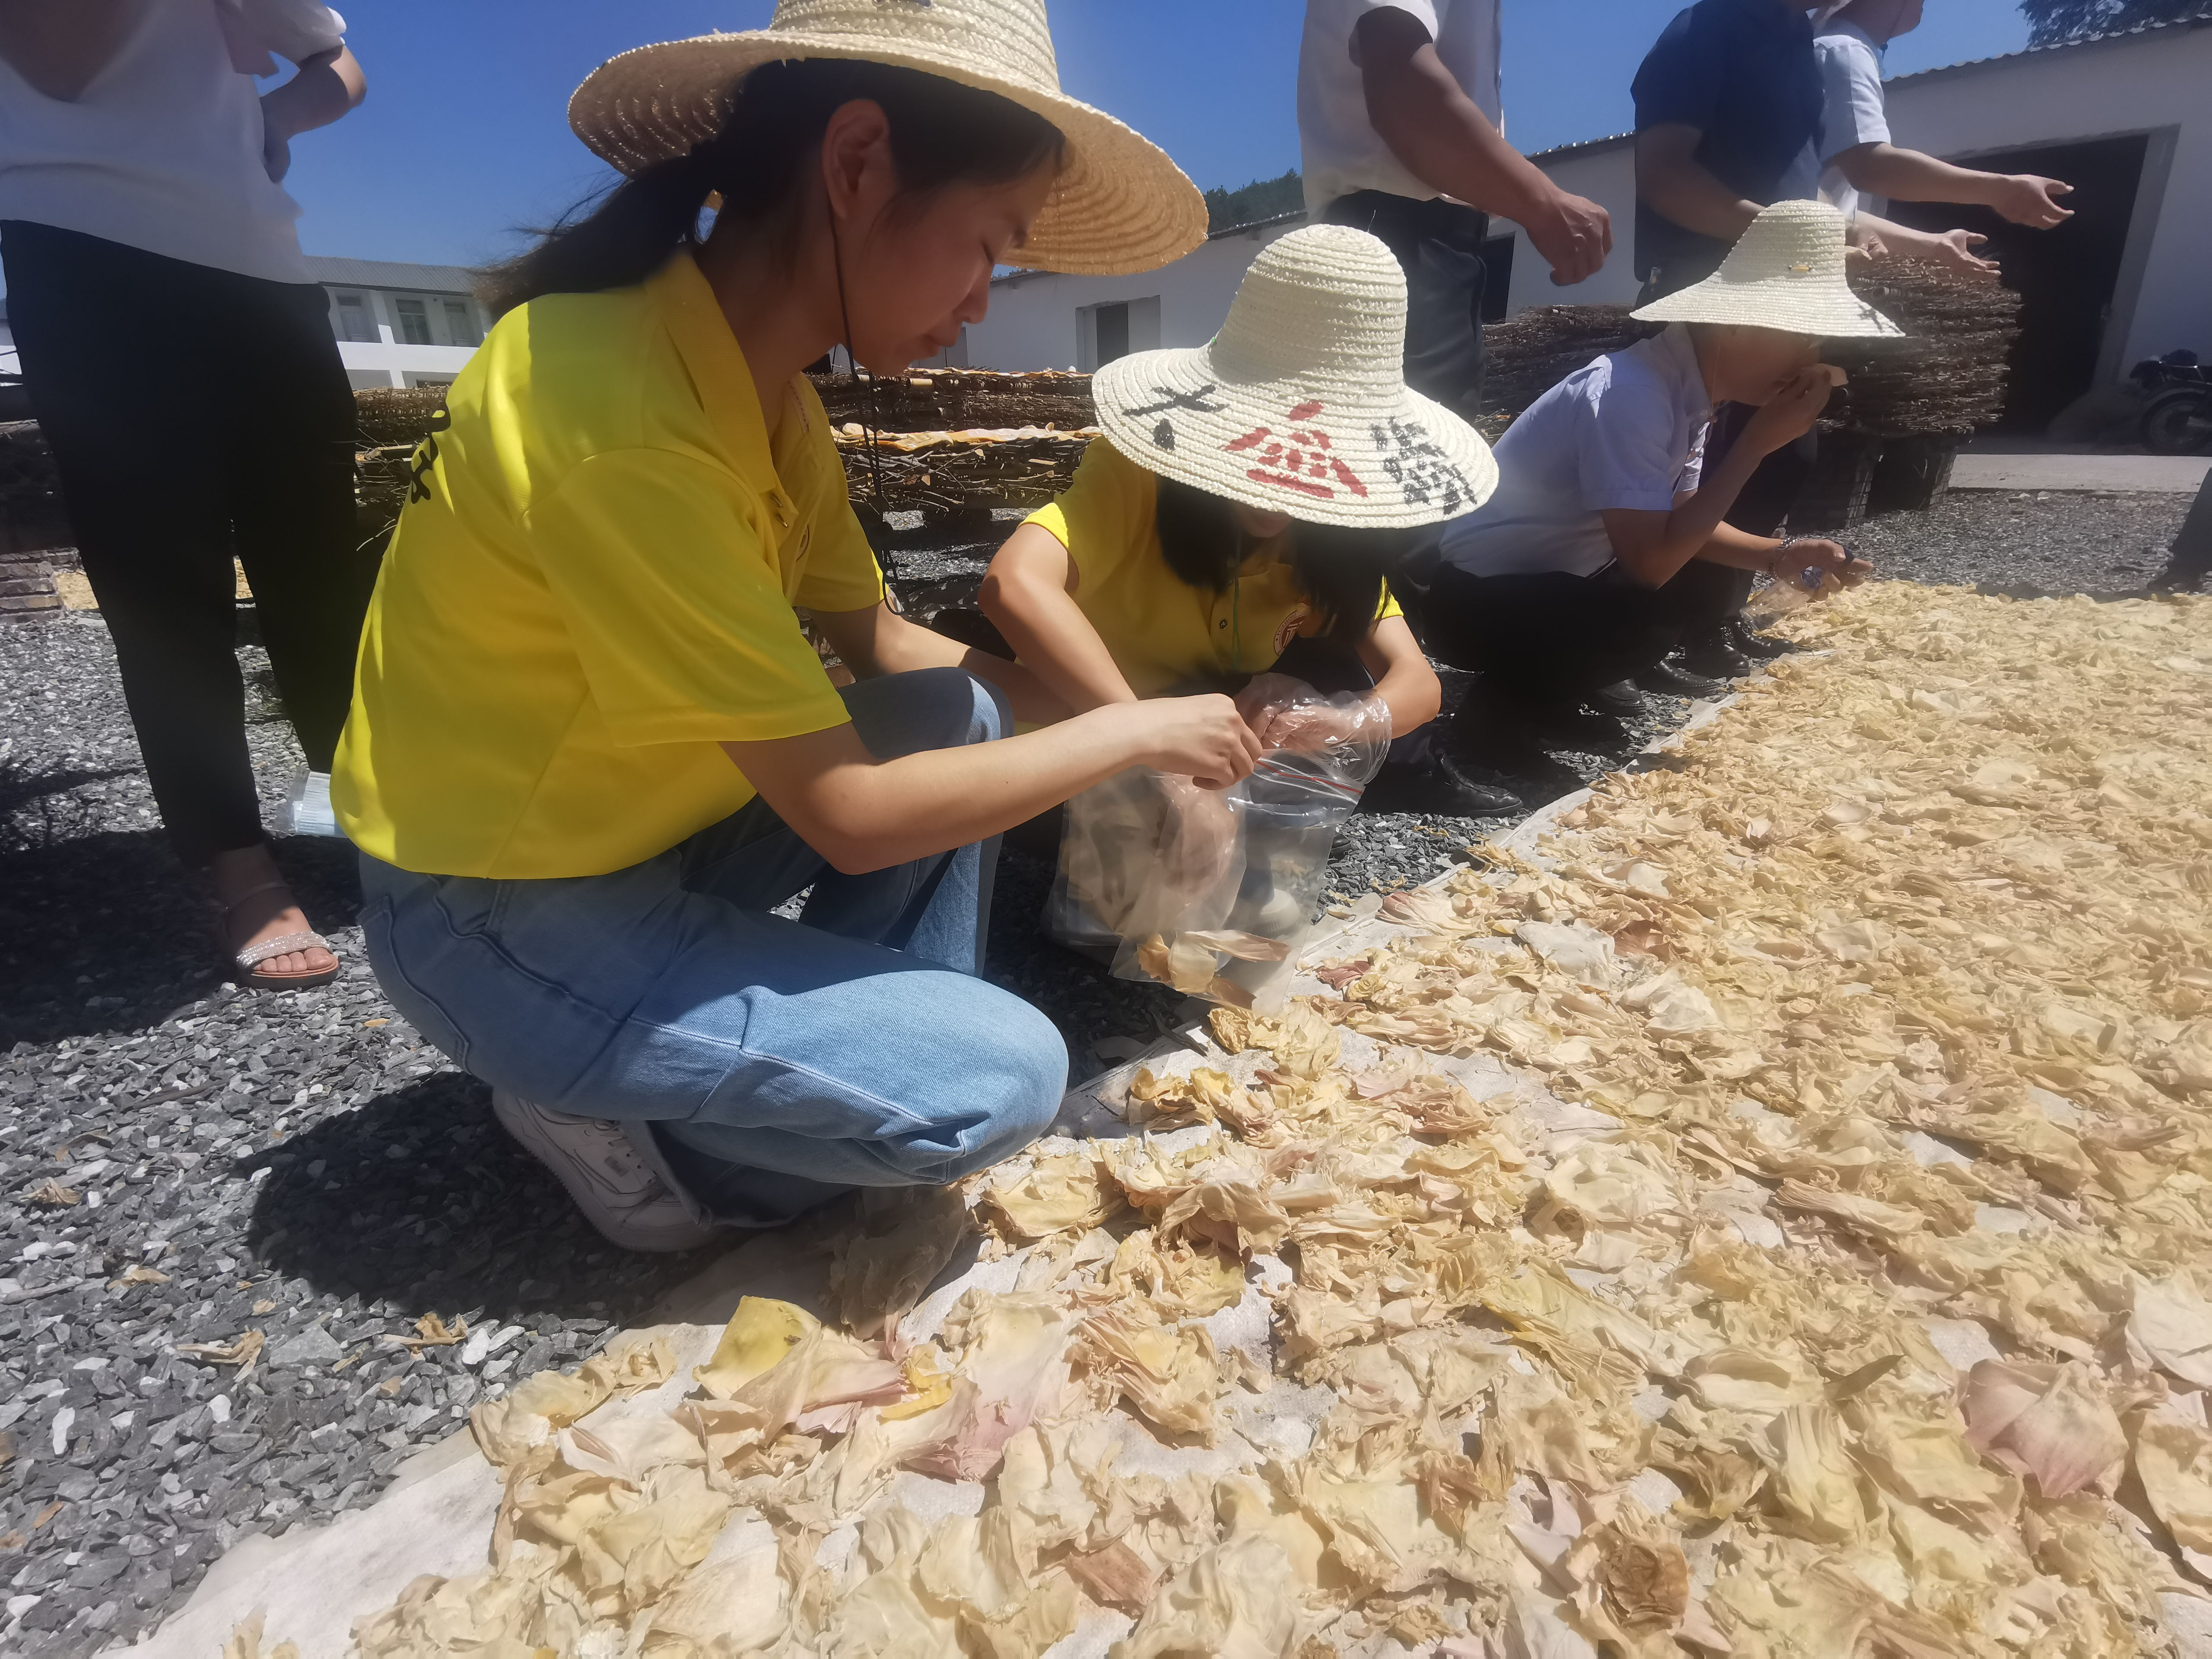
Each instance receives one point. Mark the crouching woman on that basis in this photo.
(591, 750)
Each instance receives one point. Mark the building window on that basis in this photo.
(461, 323)
(355, 321)
(412, 317)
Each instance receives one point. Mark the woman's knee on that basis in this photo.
(1015, 1079)
(927, 708)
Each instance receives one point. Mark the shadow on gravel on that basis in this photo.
(34, 810)
(420, 1200)
(107, 932)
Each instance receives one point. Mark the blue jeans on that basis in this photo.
(772, 1063)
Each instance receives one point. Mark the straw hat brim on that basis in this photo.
(1390, 459)
(1119, 206)
(1822, 306)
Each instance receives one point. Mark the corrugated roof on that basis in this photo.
(2195, 20)
(391, 273)
(1581, 146)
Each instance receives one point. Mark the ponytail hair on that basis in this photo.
(942, 133)
(1341, 570)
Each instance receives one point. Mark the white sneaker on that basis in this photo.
(307, 806)
(629, 1203)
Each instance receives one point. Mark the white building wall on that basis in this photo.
(1605, 172)
(388, 361)
(1035, 319)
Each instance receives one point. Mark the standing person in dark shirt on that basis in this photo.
(1728, 116)
(1729, 103)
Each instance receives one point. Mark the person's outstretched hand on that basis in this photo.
(1953, 250)
(1573, 234)
(2027, 198)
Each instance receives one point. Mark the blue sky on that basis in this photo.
(465, 138)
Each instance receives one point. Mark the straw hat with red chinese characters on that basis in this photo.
(1300, 405)
(1119, 204)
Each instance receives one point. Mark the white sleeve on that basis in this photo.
(1422, 11)
(294, 30)
(1852, 110)
(1624, 438)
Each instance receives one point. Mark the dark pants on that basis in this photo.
(1439, 243)
(194, 413)
(2192, 561)
(1552, 638)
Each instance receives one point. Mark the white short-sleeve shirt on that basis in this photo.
(1341, 152)
(1627, 431)
(162, 151)
(1853, 110)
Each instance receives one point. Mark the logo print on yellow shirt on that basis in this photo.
(1298, 460)
(1291, 624)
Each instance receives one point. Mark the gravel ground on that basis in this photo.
(2028, 543)
(185, 1163)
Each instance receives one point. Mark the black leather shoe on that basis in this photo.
(1439, 789)
(1715, 659)
(1666, 680)
(1621, 700)
(1759, 647)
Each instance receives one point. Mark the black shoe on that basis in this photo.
(1439, 789)
(1715, 660)
(1759, 647)
(1621, 700)
(1666, 680)
(1499, 736)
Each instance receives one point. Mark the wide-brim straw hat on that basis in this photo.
(1299, 404)
(1120, 205)
(1786, 272)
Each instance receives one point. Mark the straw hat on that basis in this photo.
(1120, 205)
(1299, 405)
(1785, 272)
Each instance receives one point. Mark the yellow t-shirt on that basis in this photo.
(1162, 631)
(592, 587)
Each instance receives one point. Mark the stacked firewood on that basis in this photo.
(960, 399)
(1947, 375)
(1945, 378)
(947, 471)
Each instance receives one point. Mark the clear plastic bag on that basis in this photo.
(1214, 892)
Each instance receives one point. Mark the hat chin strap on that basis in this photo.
(872, 423)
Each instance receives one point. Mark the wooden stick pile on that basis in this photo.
(945, 471)
(961, 399)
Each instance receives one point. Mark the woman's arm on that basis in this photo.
(864, 814)
(60, 46)
(1652, 546)
(1030, 594)
(878, 641)
(1404, 682)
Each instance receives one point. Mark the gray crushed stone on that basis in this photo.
(304, 1165)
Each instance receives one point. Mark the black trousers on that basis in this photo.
(1552, 638)
(194, 413)
(1439, 243)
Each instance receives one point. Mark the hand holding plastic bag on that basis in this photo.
(1288, 714)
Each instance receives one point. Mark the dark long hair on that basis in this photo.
(1342, 571)
(941, 133)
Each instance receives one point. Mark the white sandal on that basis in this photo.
(250, 959)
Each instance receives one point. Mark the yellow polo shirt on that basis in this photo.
(1161, 631)
(592, 586)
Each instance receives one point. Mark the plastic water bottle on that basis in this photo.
(1779, 596)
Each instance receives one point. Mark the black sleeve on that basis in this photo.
(1682, 79)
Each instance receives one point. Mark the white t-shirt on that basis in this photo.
(162, 151)
(1852, 111)
(1626, 432)
(1340, 150)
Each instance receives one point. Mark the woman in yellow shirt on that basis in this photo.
(591, 750)
(1242, 511)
